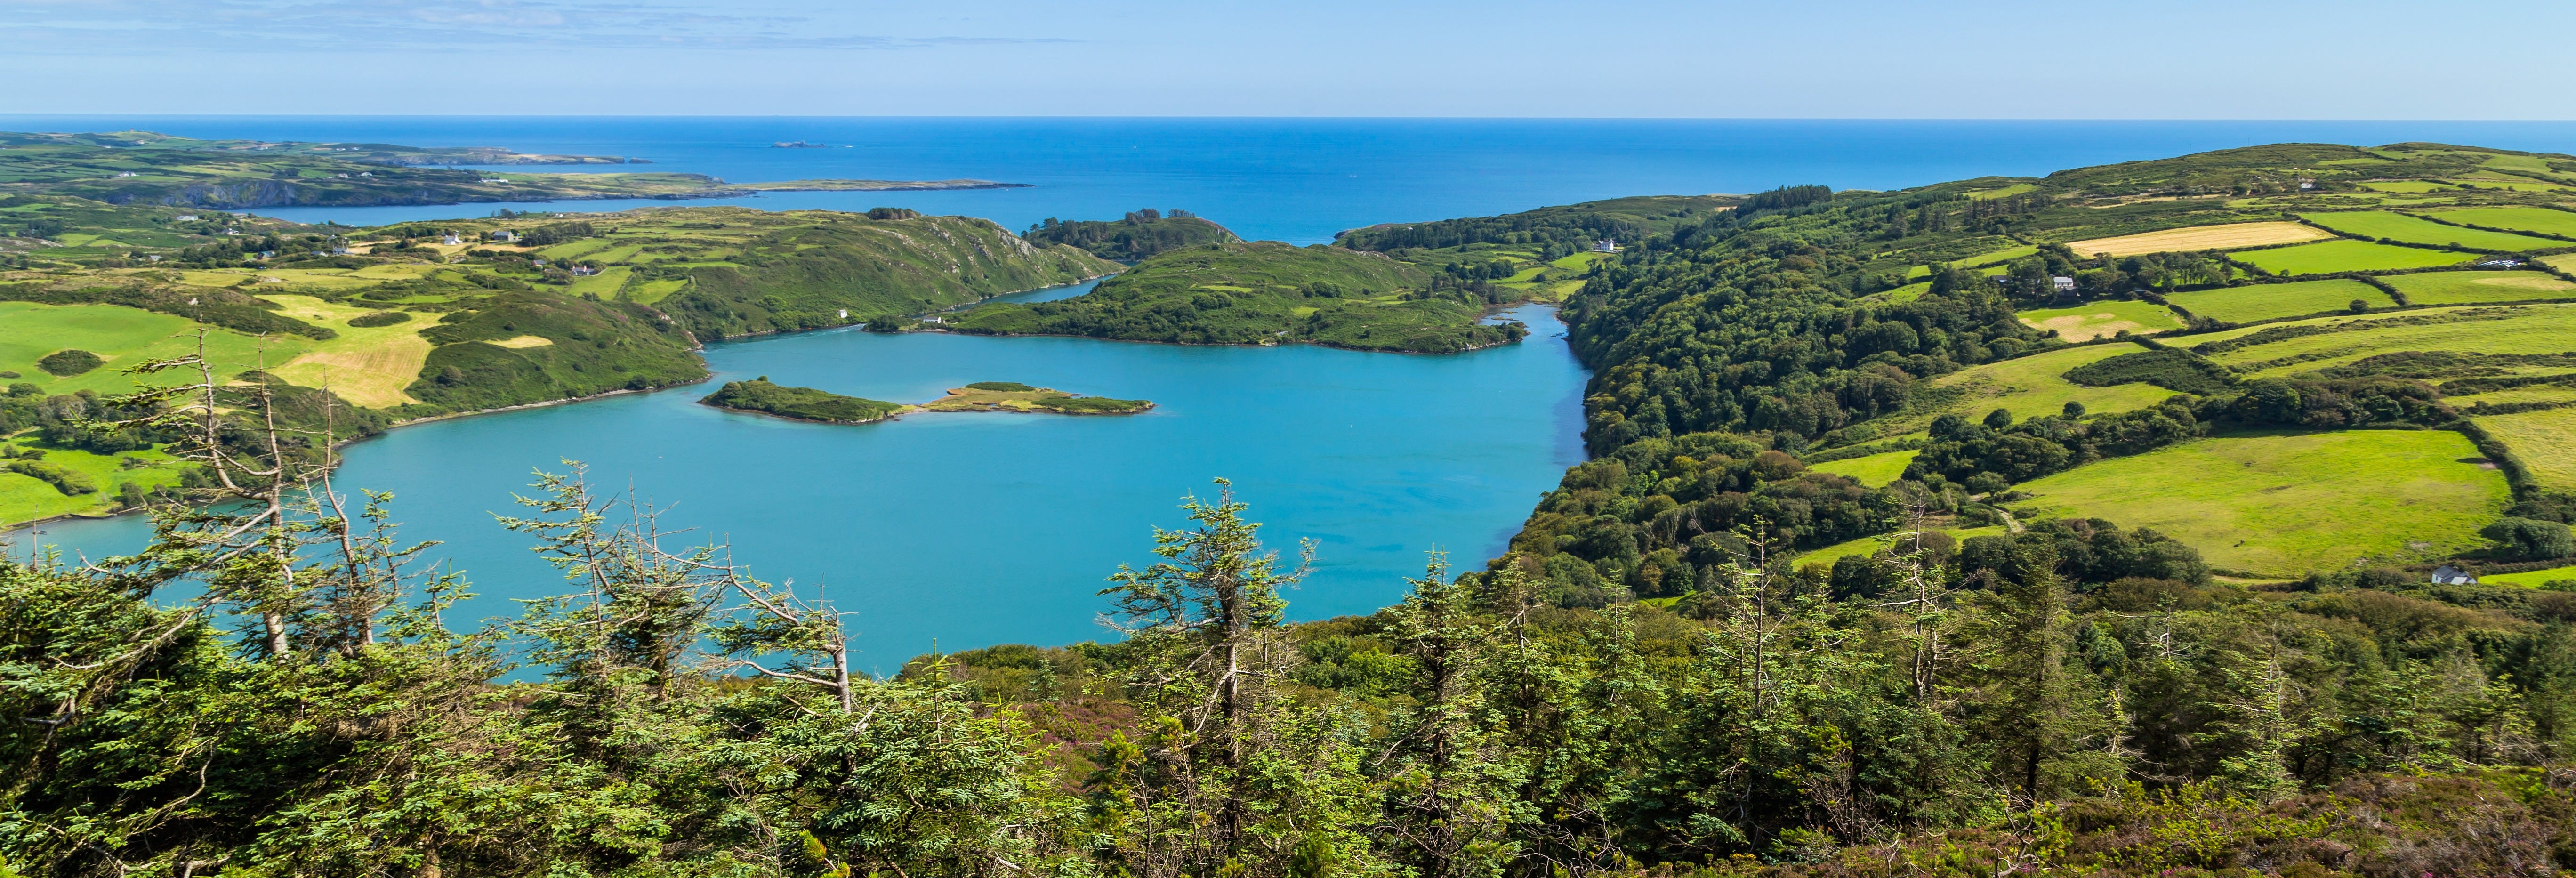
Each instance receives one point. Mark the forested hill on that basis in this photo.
(1264, 292)
(1556, 232)
(1137, 235)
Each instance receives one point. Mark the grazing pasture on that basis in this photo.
(2327, 257)
(2220, 237)
(2415, 230)
(2093, 320)
(2531, 578)
(366, 365)
(2254, 302)
(2410, 187)
(125, 337)
(2547, 221)
(27, 498)
(2523, 329)
(2544, 440)
(2037, 385)
(1873, 470)
(2474, 287)
(2284, 504)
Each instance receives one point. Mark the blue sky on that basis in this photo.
(2359, 59)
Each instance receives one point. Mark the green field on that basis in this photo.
(27, 498)
(2550, 393)
(2473, 287)
(1870, 545)
(2416, 187)
(2035, 385)
(2545, 442)
(2414, 230)
(2531, 578)
(2528, 219)
(1874, 470)
(2094, 320)
(2327, 257)
(2253, 302)
(2286, 504)
(125, 337)
(2523, 329)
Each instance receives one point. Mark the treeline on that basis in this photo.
(1141, 233)
(1555, 232)
(2065, 697)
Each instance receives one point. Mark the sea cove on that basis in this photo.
(977, 529)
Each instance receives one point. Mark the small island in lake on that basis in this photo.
(800, 403)
(761, 396)
(1012, 396)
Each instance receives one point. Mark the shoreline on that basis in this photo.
(1197, 344)
(700, 350)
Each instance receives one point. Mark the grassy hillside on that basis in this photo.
(1263, 292)
(2285, 505)
(1908, 331)
(143, 167)
(748, 271)
(1138, 235)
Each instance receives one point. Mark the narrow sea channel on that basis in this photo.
(975, 529)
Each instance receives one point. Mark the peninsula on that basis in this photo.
(144, 167)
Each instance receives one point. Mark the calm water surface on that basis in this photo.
(988, 528)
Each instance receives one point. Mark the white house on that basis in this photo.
(185, 218)
(1605, 245)
(2063, 284)
(451, 239)
(2449, 575)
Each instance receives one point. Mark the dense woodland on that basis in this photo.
(1643, 684)
(1139, 234)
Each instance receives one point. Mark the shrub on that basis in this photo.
(2531, 539)
(2169, 368)
(379, 318)
(1008, 386)
(69, 362)
(71, 483)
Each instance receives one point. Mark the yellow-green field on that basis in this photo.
(2220, 237)
(2530, 329)
(125, 337)
(2473, 287)
(2545, 442)
(2531, 578)
(2414, 187)
(2414, 230)
(2526, 219)
(2327, 257)
(27, 498)
(2036, 385)
(2286, 504)
(2554, 393)
(1873, 470)
(367, 366)
(1870, 545)
(2253, 302)
(2094, 320)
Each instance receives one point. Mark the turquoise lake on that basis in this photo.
(977, 529)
